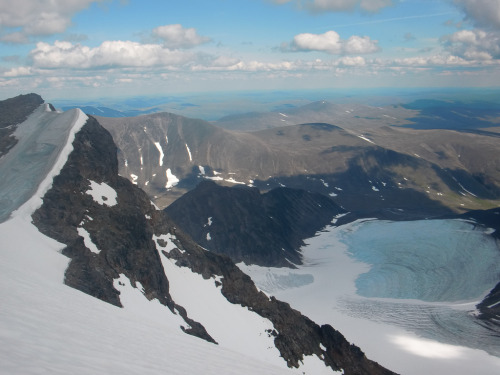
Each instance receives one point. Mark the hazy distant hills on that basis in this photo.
(110, 112)
(358, 157)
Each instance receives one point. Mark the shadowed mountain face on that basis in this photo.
(264, 229)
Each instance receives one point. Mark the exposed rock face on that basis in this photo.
(264, 229)
(14, 111)
(122, 233)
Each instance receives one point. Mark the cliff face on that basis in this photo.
(110, 228)
(264, 229)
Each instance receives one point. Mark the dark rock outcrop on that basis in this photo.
(122, 232)
(264, 229)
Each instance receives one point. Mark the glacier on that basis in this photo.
(405, 292)
(44, 141)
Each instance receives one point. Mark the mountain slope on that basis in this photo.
(265, 229)
(126, 252)
(374, 170)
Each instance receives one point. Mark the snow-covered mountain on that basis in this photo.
(74, 225)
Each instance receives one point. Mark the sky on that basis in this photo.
(106, 48)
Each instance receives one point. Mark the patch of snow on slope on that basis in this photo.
(216, 178)
(365, 139)
(172, 180)
(102, 193)
(89, 244)
(209, 237)
(189, 152)
(232, 326)
(202, 169)
(311, 364)
(134, 178)
(233, 181)
(160, 150)
(133, 300)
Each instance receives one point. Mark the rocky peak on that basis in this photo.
(111, 228)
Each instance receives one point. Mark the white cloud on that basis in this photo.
(38, 17)
(474, 44)
(108, 54)
(176, 36)
(331, 42)
(483, 13)
(19, 72)
(352, 61)
(319, 6)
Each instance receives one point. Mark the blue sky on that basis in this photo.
(84, 48)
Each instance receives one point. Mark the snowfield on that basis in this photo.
(405, 292)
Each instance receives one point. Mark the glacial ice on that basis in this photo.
(41, 139)
(397, 289)
(438, 260)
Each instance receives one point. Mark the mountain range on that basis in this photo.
(159, 211)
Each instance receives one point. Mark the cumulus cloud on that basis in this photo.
(176, 36)
(483, 13)
(330, 42)
(19, 72)
(38, 17)
(319, 6)
(108, 54)
(474, 44)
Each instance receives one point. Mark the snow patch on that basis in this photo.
(89, 244)
(160, 150)
(189, 152)
(134, 178)
(365, 139)
(209, 237)
(202, 169)
(102, 193)
(172, 180)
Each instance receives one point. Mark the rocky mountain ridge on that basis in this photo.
(111, 228)
(371, 169)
